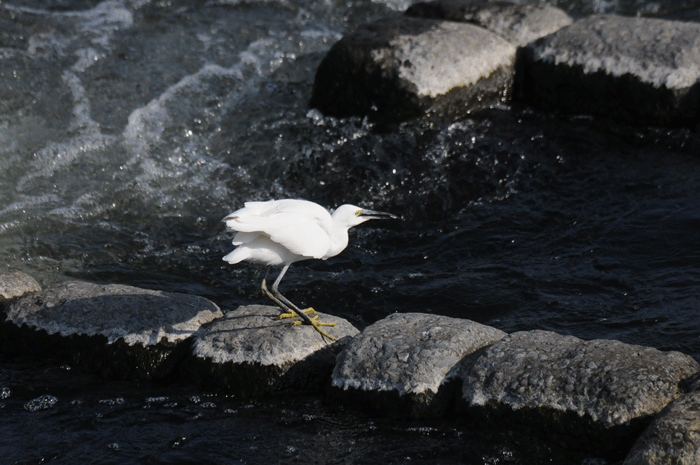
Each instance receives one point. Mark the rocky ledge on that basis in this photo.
(452, 57)
(603, 396)
(250, 351)
(601, 392)
(114, 330)
(399, 68)
(407, 365)
(14, 283)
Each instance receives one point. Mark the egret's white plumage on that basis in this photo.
(281, 232)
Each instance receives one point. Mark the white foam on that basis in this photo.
(396, 5)
(60, 155)
(41, 403)
(146, 124)
(104, 19)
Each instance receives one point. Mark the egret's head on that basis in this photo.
(350, 215)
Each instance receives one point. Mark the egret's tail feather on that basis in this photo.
(236, 256)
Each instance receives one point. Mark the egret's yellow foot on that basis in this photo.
(313, 322)
(316, 324)
(292, 313)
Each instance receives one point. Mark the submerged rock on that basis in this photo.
(614, 65)
(406, 364)
(596, 394)
(251, 352)
(14, 283)
(118, 331)
(400, 67)
(518, 24)
(673, 437)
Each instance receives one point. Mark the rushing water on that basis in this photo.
(128, 129)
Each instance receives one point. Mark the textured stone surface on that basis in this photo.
(633, 67)
(401, 67)
(601, 390)
(116, 331)
(15, 283)
(692, 383)
(400, 364)
(673, 437)
(252, 352)
(114, 311)
(518, 24)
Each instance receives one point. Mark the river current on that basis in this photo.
(129, 129)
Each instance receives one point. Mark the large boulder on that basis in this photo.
(251, 352)
(517, 23)
(406, 365)
(118, 331)
(673, 437)
(14, 283)
(636, 68)
(597, 394)
(400, 67)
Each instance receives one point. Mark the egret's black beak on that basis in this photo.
(372, 215)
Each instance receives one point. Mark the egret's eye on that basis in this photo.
(358, 212)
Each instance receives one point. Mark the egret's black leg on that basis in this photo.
(290, 309)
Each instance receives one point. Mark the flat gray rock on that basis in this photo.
(114, 311)
(599, 393)
(673, 437)
(119, 331)
(402, 365)
(624, 66)
(400, 67)
(15, 283)
(251, 352)
(517, 23)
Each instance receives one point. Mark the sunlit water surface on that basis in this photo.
(129, 129)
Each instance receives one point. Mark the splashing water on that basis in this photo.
(128, 129)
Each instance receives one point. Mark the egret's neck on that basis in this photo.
(339, 240)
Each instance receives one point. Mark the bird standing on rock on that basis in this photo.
(281, 232)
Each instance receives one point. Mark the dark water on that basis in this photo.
(53, 415)
(129, 129)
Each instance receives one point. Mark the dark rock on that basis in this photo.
(117, 331)
(517, 23)
(673, 437)
(635, 68)
(406, 364)
(692, 383)
(15, 283)
(251, 352)
(597, 394)
(398, 68)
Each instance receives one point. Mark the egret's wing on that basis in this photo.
(299, 234)
(254, 215)
(300, 226)
(245, 237)
(247, 219)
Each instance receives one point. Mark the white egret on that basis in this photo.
(281, 232)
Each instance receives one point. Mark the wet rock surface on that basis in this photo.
(251, 352)
(517, 23)
(614, 65)
(673, 436)
(114, 311)
(406, 365)
(15, 283)
(118, 331)
(429, 62)
(594, 395)
(401, 67)
(599, 394)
